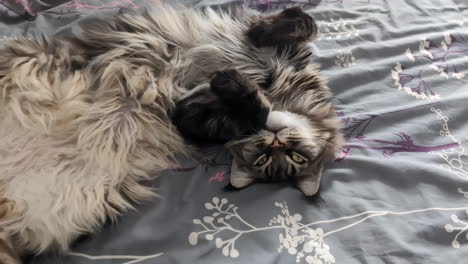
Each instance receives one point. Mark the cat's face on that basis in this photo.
(290, 148)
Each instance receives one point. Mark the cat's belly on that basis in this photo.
(57, 195)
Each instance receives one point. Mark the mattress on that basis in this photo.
(398, 191)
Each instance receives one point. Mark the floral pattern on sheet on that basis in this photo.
(116, 259)
(305, 241)
(344, 59)
(356, 126)
(225, 226)
(433, 57)
(334, 29)
(456, 160)
(459, 227)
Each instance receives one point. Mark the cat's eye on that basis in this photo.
(297, 158)
(261, 160)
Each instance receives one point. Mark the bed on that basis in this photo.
(398, 191)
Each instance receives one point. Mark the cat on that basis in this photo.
(86, 118)
(284, 131)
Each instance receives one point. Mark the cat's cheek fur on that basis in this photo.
(310, 184)
(239, 179)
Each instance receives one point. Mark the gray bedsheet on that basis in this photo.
(397, 193)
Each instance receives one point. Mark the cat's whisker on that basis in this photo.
(253, 129)
(214, 149)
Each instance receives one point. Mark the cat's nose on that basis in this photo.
(276, 143)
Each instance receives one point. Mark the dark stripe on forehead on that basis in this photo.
(294, 170)
(288, 170)
(268, 174)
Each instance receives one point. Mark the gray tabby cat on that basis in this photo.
(85, 119)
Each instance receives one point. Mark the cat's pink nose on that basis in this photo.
(276, 143)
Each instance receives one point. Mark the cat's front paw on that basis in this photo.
(288, 27)
(231, 85)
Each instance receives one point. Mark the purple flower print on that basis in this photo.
(412, 82)
(450, 45)
(345, 152)
(356, 126)
(209, 159)
(97, 5)
(355, 129)
(85, 7)
(432, 58)
(403, 143)
(219, 177)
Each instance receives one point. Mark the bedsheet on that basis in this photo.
(398, 191)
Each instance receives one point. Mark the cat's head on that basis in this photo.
(291, 147)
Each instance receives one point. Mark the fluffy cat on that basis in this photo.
(85, 119)
(301, 131)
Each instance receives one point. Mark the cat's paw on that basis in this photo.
(288, 27)
(230, 85)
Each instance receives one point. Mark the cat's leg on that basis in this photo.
(244, 101)
(240, 95)
(233, 107)
(288, 27)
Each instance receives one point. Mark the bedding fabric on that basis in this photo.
(397, 193)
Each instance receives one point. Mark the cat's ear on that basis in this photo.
(310, 183)
(239, 178)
